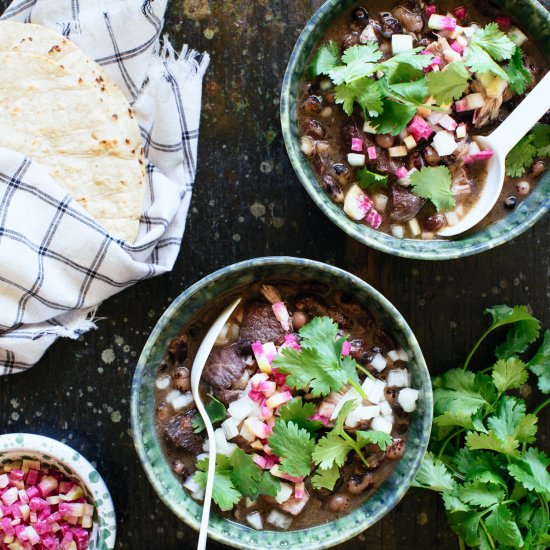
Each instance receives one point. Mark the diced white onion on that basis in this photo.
(401, 43)
(380, 424)
(407, 399)
(444, 143)
(230, 428)
(182, 401)
(378, 362)
(241, 408)
(197, 492)
(173, 394)
(380, 202)
(223, 336)
(376, 393)
(351, 394)
(247, 433)
(361, 413)
(201, 456)
(255, 520)
(162, 383)
(356, 159)
(397, 151)
(284, 493)
(414, 227)
(403, 355)
(452, 218)
(354, 203)
(399, 378)
(393, 355)
(279, 520)
(385, 408)
(398, 231)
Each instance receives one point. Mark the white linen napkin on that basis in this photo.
(56, 263)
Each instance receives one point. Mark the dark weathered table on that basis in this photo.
(249, 203)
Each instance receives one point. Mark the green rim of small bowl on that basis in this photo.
(215, 287)
(531, 16)
(71, 463)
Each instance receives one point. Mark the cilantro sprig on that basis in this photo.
(535, 144)
(235, 477)
(319, 367)
(434, 183)
(494, 484)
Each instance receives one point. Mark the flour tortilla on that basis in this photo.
(58, 108)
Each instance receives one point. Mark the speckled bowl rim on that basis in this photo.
(80, 467)
(522, 218)
(321, 536)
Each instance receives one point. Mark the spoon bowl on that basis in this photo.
(500, 142)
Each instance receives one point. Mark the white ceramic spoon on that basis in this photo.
(196, 372)
(501, 141)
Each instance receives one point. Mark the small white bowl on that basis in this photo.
(59, 456)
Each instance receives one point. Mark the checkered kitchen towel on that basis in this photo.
(56, 264)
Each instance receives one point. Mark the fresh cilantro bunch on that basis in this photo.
(319, 367)
(298, 442)
(535, 144)
(236, 476)
(494, 483)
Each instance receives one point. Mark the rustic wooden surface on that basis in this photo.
(249, 203)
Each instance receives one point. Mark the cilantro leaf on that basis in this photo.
(480, 494)
(503, 315)
(500, 523)
(382, 439)
(433, 183)
(319, 365)
(518, 76)
(474, 465)
(524, 332)
(269, 485)
(325, 59)
(300, 413)
(530, 469)
(541, 139)
(448, 84)
(454, 418)
(509, 374)
(466, 524)
(224, 492)
(480, 61)
(326, 478)
(491, 442)
(294, 446)
(411, 57)
(435, 475)
(216, 412)
(366, 178)
(394, 117)
(520, 157)
(494, 42)
(364, 91)
(511, 421)
(331, 450)
(414, 92)
(362, 53)
(453, 503)
(360, 62)
(540, 364)
(246, 475)
(456, 392)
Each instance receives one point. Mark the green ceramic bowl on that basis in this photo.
(59, 456)
(529, 15)
(215, 287)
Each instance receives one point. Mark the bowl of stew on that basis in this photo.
(52, 497)
(380, 108)
(313, 359)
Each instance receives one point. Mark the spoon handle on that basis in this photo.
(522, 118)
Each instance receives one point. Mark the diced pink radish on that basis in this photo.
(276, 471)
(419, 128)
(257, 380)
(482, 155)
(256, 396)
(261, 359)
(371, 153)
(4, 481)
(268, 388)
(448, 123)
(32, 492)
(47, 485)
(401, 172)
(457, 47)
(10, 496)
(8, 528)
(281, 313)
(17, 475)
(278, 399)
(356, 203)
(299, 489)
(318, 417)
(71, 509)
(326, 408)
(374, 219)
(33, 536)
(469, 102)
(278, 377)
(81, 537)
(503, 21)
(357, 145)
(50, 542)
(65, 486)
(291, 342)
(346, 348)
(23, 497)
(441, 22)
(460, 12)
(32, 477)
(430, 10)
(37, 503)
(56, 516)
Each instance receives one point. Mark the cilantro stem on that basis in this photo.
(354, 446)
(357, 387)
(461, 544)
(541, 406)
(365, 371)
(474, 349)
(450, 437)
(489, 538)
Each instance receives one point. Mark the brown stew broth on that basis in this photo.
(333, 119)
(363, 326)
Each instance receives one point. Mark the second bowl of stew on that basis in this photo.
(319, 395)
(380, 108)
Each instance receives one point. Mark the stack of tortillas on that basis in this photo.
(58, 108)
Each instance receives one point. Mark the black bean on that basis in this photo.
(333, 189)
(431, 156)
(313, 128)
(538, 168)
(389, 25)
(510, 202)
(350, 40)
(339, 502)
(415, 160)
(435, 222)
(312, 105)
(360, 16)
(358, 483)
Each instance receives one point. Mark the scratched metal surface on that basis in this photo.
(248, 203)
